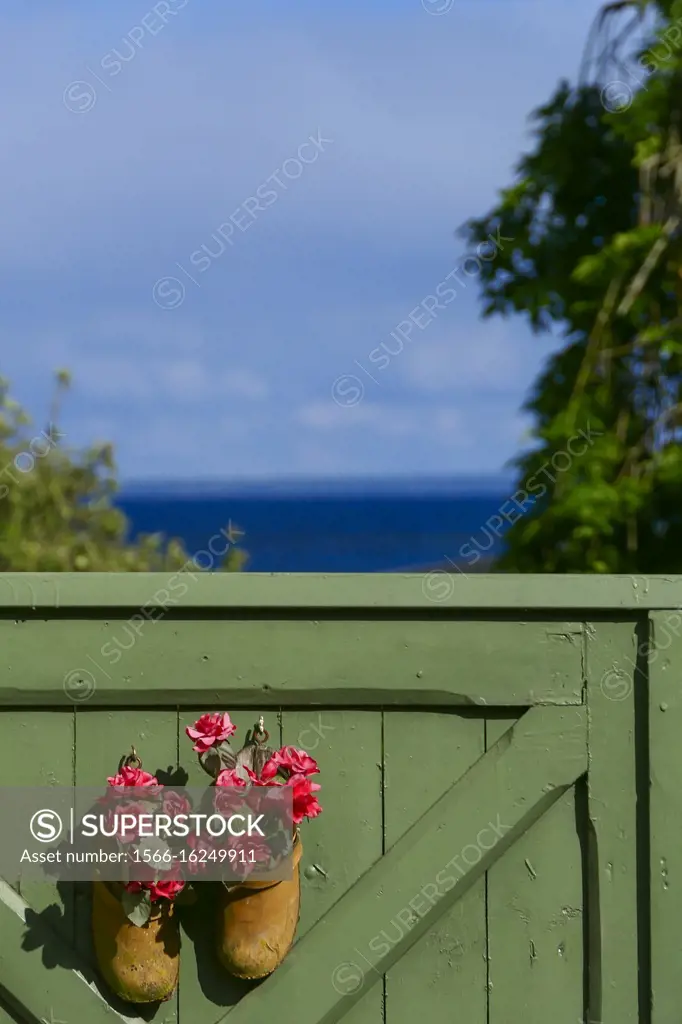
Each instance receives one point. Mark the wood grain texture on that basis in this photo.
(38, 750)
(46, 995)
(535, 918)
(270, 662)
(612, 837)
(425, 754)
(539, 758)
(396, 684)
(339, 848)
(665, 725)
(412, 591)
(102, 738)
(206, 990)
(48, 739)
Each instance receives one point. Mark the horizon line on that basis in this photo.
(341, 484)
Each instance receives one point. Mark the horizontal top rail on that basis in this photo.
(434, 591)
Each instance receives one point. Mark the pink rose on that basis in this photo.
(255, 781)
(114, 820)
(210, 730)
(202, 848)
(249, 851)
(167, 890)
(228, 799)
(305, 804)
(129, 776)
(136, 886)
(229, 777)
(175, 804)
(295, 761)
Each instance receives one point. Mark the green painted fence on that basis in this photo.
(501, 839)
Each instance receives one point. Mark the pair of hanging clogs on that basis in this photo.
(256, 926)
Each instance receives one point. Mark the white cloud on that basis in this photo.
(385, 420)
(185, 380)
(427, 115)
(449, 422)
(492, 356)
(245, 384)
(429, 124)
(115, 377)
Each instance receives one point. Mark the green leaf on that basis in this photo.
(638, 238)
(588, 205)
(137, 906)
(59, 517)
(228, 758)
(155, 852)
(655, 332)
(210, 761)
(590, 267)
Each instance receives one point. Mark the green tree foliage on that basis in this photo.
(56, 511)
(595, 215)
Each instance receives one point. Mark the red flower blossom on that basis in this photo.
(202, 848)
(255, 847)
(163, 890)
(229, 777)
(114, 820)
(210, 730)
(167, 890)
(255, 781)
(129, 776)
(295, 761)
(227, 801)
(249, 851)
(305, 804)
(175, 804)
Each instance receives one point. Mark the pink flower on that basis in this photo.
(129, 776)
(137, 886)
(202, 848)
(210, 730)
(255, 847)
(229, 777)
(167, 890)
(175, 804)
(305, 804)
(255, 781)
(228, 798)
(249, 851)
(295, 761)
(114, 819)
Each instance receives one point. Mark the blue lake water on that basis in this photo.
(344, 526)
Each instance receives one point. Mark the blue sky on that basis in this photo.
(114, 172)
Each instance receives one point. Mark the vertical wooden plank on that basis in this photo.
(49, 736)
(612, 909)
(346, 839)
(102, 738)
(665, 752)
(425, 753)
(535, 918)
(206, 989)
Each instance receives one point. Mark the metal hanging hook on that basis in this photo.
(260, 733)
(130, 759)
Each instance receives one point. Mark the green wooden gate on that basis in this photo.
(501, 839)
